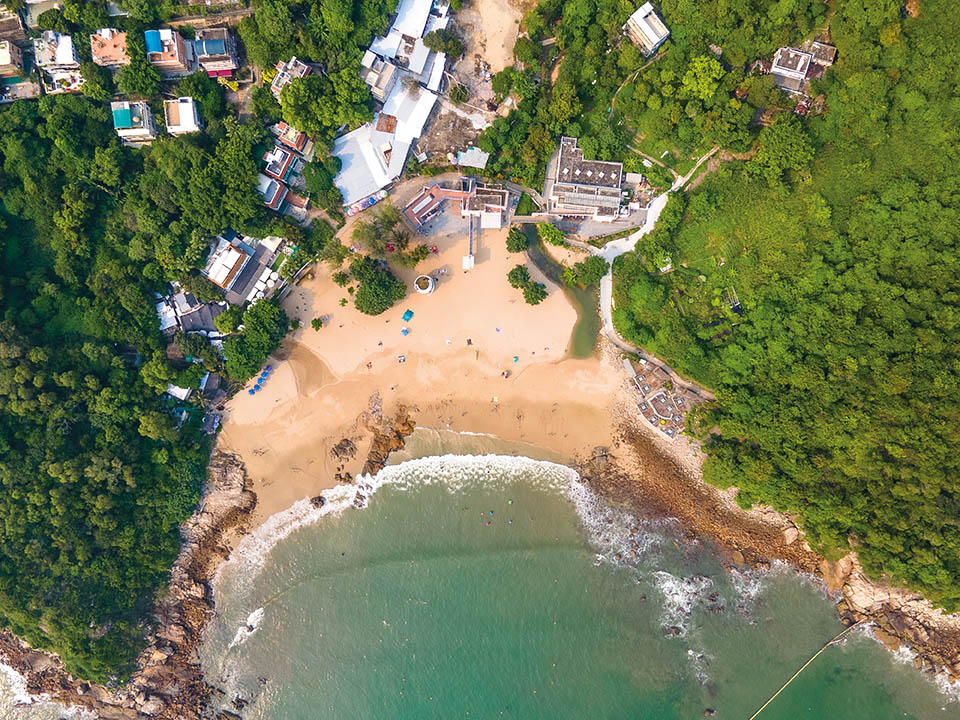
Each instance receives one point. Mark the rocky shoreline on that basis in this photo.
(169, 684)
(899, 618)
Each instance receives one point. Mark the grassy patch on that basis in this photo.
(526, 206)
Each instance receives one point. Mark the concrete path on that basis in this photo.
(614, 249)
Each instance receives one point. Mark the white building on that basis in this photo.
(789, 68)
(180, 116)
(374, 155)
(585, 188)
(53, 51)
(646, 29)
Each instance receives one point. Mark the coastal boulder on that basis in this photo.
(790, 535)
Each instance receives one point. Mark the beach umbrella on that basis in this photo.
(251, 391)
(268, 368)
(256, 388)
(405, 332)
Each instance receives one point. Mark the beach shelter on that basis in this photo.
(405, 332)
(407, 315)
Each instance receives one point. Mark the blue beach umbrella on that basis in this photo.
(251, 391)
(268, 368)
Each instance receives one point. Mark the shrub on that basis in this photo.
(550, 233)
(459, 93)
(518, 277)
(264, 325)
(378, 288)
(229, 320)
(517, 240)
(534, 293)
(586, 273)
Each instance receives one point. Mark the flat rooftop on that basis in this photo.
(572, 168)
(109, 47)
(791, 61)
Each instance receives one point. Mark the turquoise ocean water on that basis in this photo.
(485, 587)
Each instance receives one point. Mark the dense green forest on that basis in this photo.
(95, 477)
(614, 99)
(814, 288)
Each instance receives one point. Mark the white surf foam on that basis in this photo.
(453, 472)
(905, 655)
(15, 687)
(249, 628)
(680, 595)
(17, 702)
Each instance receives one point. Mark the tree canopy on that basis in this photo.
(819, 298)
(96, 475)
(378, 289)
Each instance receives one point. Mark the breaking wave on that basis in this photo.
(15, 698)
(249, 628)
(680, 596)
(453, 472)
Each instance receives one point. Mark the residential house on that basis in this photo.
(53, 51)
(472, 157)
(109, 48)
(12, 29)
(56, 57)
(374, 155)
(133, 122)
(291, 137)
(227, 258)
(379, 74)
(823, 54)
(242, 266)
(180, 116)
(286, 71)
(584, 188)
(488, 202)
(33, 11)
(216, 51)
(281, 163)
(646, 29)
(272, 191)
(167, 51)
(181, 311)
(789, 69)
(11, 60)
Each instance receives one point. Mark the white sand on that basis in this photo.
(323, 391)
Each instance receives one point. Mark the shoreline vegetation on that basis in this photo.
(639, 469)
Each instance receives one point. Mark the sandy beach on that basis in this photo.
(330, 384)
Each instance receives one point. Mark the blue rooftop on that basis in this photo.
(122, 118)
(210, 47)
(153, 41)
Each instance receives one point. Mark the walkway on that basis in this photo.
(615, 248)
